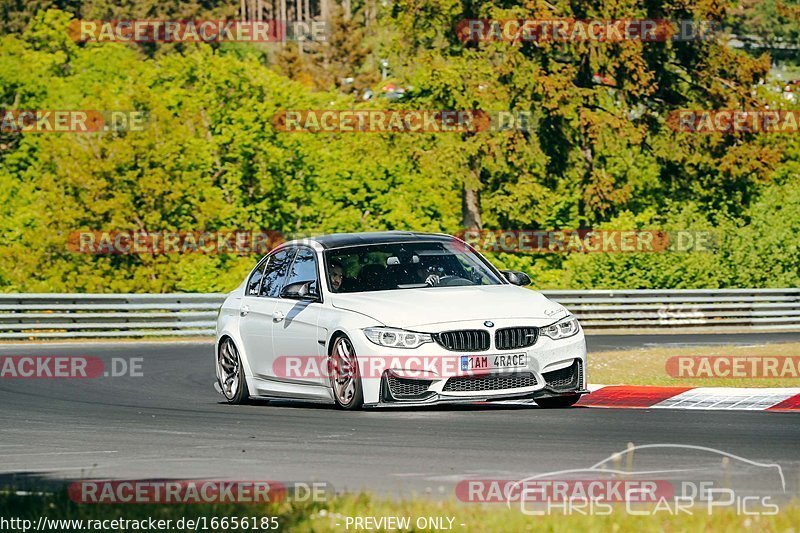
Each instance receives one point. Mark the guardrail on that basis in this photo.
(52, 316)
(719, 309)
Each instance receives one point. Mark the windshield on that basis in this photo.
(382, 267)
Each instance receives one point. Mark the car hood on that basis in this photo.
(408, 308)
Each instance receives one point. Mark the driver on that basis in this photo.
(336, 273)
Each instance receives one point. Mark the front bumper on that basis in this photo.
(554, 368)
(396, 389)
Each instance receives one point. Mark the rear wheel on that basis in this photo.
(557, 402)
(230, 373)
(344, 375)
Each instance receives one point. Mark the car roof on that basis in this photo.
(341, 240)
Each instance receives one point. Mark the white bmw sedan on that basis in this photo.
(392, 319)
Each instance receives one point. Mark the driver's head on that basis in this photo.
(337, 274)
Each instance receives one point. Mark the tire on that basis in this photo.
(558, 402)
(344, 375)
(230, 374)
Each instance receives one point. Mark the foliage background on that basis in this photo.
(601, 155)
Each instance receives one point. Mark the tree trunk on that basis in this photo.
(470, 197)
(373, 12)
(588, 156)
(283, 20)
(298, 16)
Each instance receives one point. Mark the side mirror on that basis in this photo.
(517, 278)
(300, 290)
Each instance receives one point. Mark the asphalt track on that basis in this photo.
(170, 423)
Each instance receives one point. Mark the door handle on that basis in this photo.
(277, 316)
(244, 310)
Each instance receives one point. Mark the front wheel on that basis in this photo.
(344, 375)
(558, 402)
(230, 373)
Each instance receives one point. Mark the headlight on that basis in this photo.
(562, 329)
(396, 338)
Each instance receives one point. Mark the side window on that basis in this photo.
(276, 273)
(255, 279)
(304, 268)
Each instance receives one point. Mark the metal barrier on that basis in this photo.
(52, 316)
(41, 316)
(691, 309)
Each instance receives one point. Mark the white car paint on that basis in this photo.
(265, 329)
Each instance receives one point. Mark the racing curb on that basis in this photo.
(691, 398)
(697, 398)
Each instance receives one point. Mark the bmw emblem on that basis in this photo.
(489, 324)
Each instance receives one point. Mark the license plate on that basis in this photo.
(493, 362)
